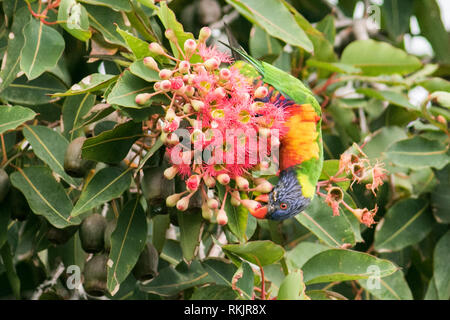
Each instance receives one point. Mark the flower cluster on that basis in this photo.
(214, 124)
(354, 164)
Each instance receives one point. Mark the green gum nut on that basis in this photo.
(92, 231)
(95, 275)
(146, 267)
(4, 184)
(60, 236)
(110, 227)
(74, 165)
(18, 204)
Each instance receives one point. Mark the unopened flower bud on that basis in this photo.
(157, 86)
(193, 182)
(222, 217)
(150, 63)
(184, 67)
(165, 74)
(171, 201)
(220, 92)
(187, 108)
(183, 203)
(264, 187)
(212, 64)
(170, 172)
(213, 203)
(170, 115)
(143, 98)
(251, 205)
(261, 92)
(170, 34)
(235, 198)
(223, 178)
(210, 182)
(224, 74)
(190, 91)
(207, 213)
(242, 183)
(197, 104)
(166, 85)
(155, 48)
(204, 34)
(189, 46)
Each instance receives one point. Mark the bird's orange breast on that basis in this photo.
(300, 142)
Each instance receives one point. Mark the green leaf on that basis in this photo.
(261, 252)
(126, 89)
(49, 146)
(263, 46)
(13, 278)
(326, 26)
(171, 280)
(431, 27)
(418, 152)
(407, 222)
(395, 17)
(431, 293)
(4, 221)
(220, 270)
(107, 184)
(140, 70)
(190, 226)
(11, 63)
(34, 92)
(45, 196)
(292, 287)
(393, 287)
(282, 25)
(303, 252)
(237, 216)
(73, 111)
(127, 243)
(333, 230)
(393, 97)
(112, 146)
(77, 21)
(42, 49)
(435, 84)
(91, 83)
(440, 198)
(246, 281)
(333, 66)
(106, 20)
(213, 292)
(342, 265)
(13, 116)
(441, 261)
(138, 46)
(441, 97)
(329, 169)
(160, 225)
(386, 136)
(119, 5)
(376, 58)
(324, 294)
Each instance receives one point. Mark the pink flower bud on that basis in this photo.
(264, 187)
(204, 34)
(171, 201)
(189, 46)
(235, 198)
(170, 34)
(251, 205)
(184, 67)
(177, 83)
(197, 104)
(213, 203)
(222, 217)
(166, 85)
(170, 114)
(190, 91)
(170, 172)
(150, 63)
(220, 92)
(187, 108)
(155, 48)
(165, 74)
(210, 182)
(157, 86)
(242, 183)
(212, 64)
(143, 98)
(183, 203)
(193, 182)
(261, 92)
(190, 79)
(224, 74)
(223, 178)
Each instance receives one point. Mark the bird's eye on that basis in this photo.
(283, 206)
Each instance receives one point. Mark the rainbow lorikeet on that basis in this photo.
(301, 151)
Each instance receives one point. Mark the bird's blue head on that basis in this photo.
(286, 199)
